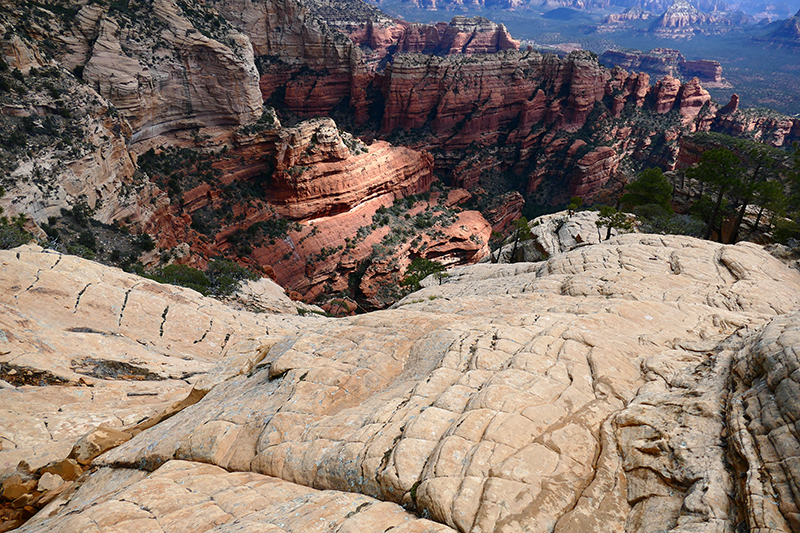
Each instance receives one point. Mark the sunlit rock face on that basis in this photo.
(621, 386)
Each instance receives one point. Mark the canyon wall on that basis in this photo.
(165, 69)
(324, 212)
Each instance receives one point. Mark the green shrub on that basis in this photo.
(81, 251)
(87, 239)
(145, 242)
(419, 269)
(222, 277)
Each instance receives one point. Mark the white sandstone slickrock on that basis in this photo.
(641, 384)
(139, 345)
(553, 234)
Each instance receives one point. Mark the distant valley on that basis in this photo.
(759, 58)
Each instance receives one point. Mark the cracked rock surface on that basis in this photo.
(642, 384)
(114, 348)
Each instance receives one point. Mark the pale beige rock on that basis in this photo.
(588, 392)
(96, 442)
(170, 76)
(69, 323)
(40, 425)
(150, 331)
(49, 481)
(553, 234)
(265, 295)
(531, 372)
(762, 421)
(182, 496)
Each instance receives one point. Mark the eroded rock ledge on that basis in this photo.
(642, 384)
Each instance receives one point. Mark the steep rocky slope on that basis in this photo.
(164, 67)
(180, 74)
(324, 212)
(786, 33)
(176, 141)
(622, 386)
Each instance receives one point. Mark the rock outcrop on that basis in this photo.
(770, 128)
(313, 65)
(642, 383)
(318, 175)
(622, 21)
(525, 111)
(705, 70)
(64, 144)
(475, 35)
(166, 69)
(551, 235)
(682, 20)
(681, 14)
(490, 93)
(334, 219)
(660, 62)
(86, 346)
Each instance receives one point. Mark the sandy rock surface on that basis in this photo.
(185, 496)
(83, 345)
(553, 234)
(640, 384)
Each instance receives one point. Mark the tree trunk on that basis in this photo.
(513, 258)
(739, 218)
(713, 219)
(758, 219)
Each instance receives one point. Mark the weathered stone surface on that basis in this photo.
(553, 234)
(704, 69)
(587, 392)
(183, 496)
(96, 442)
(102, 341)
(49, 481)
(319, 175)
(171, 76)
(481, 421)
(373, 257)
(333, 184)
(66, 469)
(762, 421)
(682, 19)
(318, 65)
(476, 35)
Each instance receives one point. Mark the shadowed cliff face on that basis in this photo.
(642, 384)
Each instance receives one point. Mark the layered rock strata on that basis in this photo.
(585, 393)
(64, 144)
(90, 356)
(333, 185)
(664, 61)
(318, 175)
(314, 66)
(535, 104)
(164, 71)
